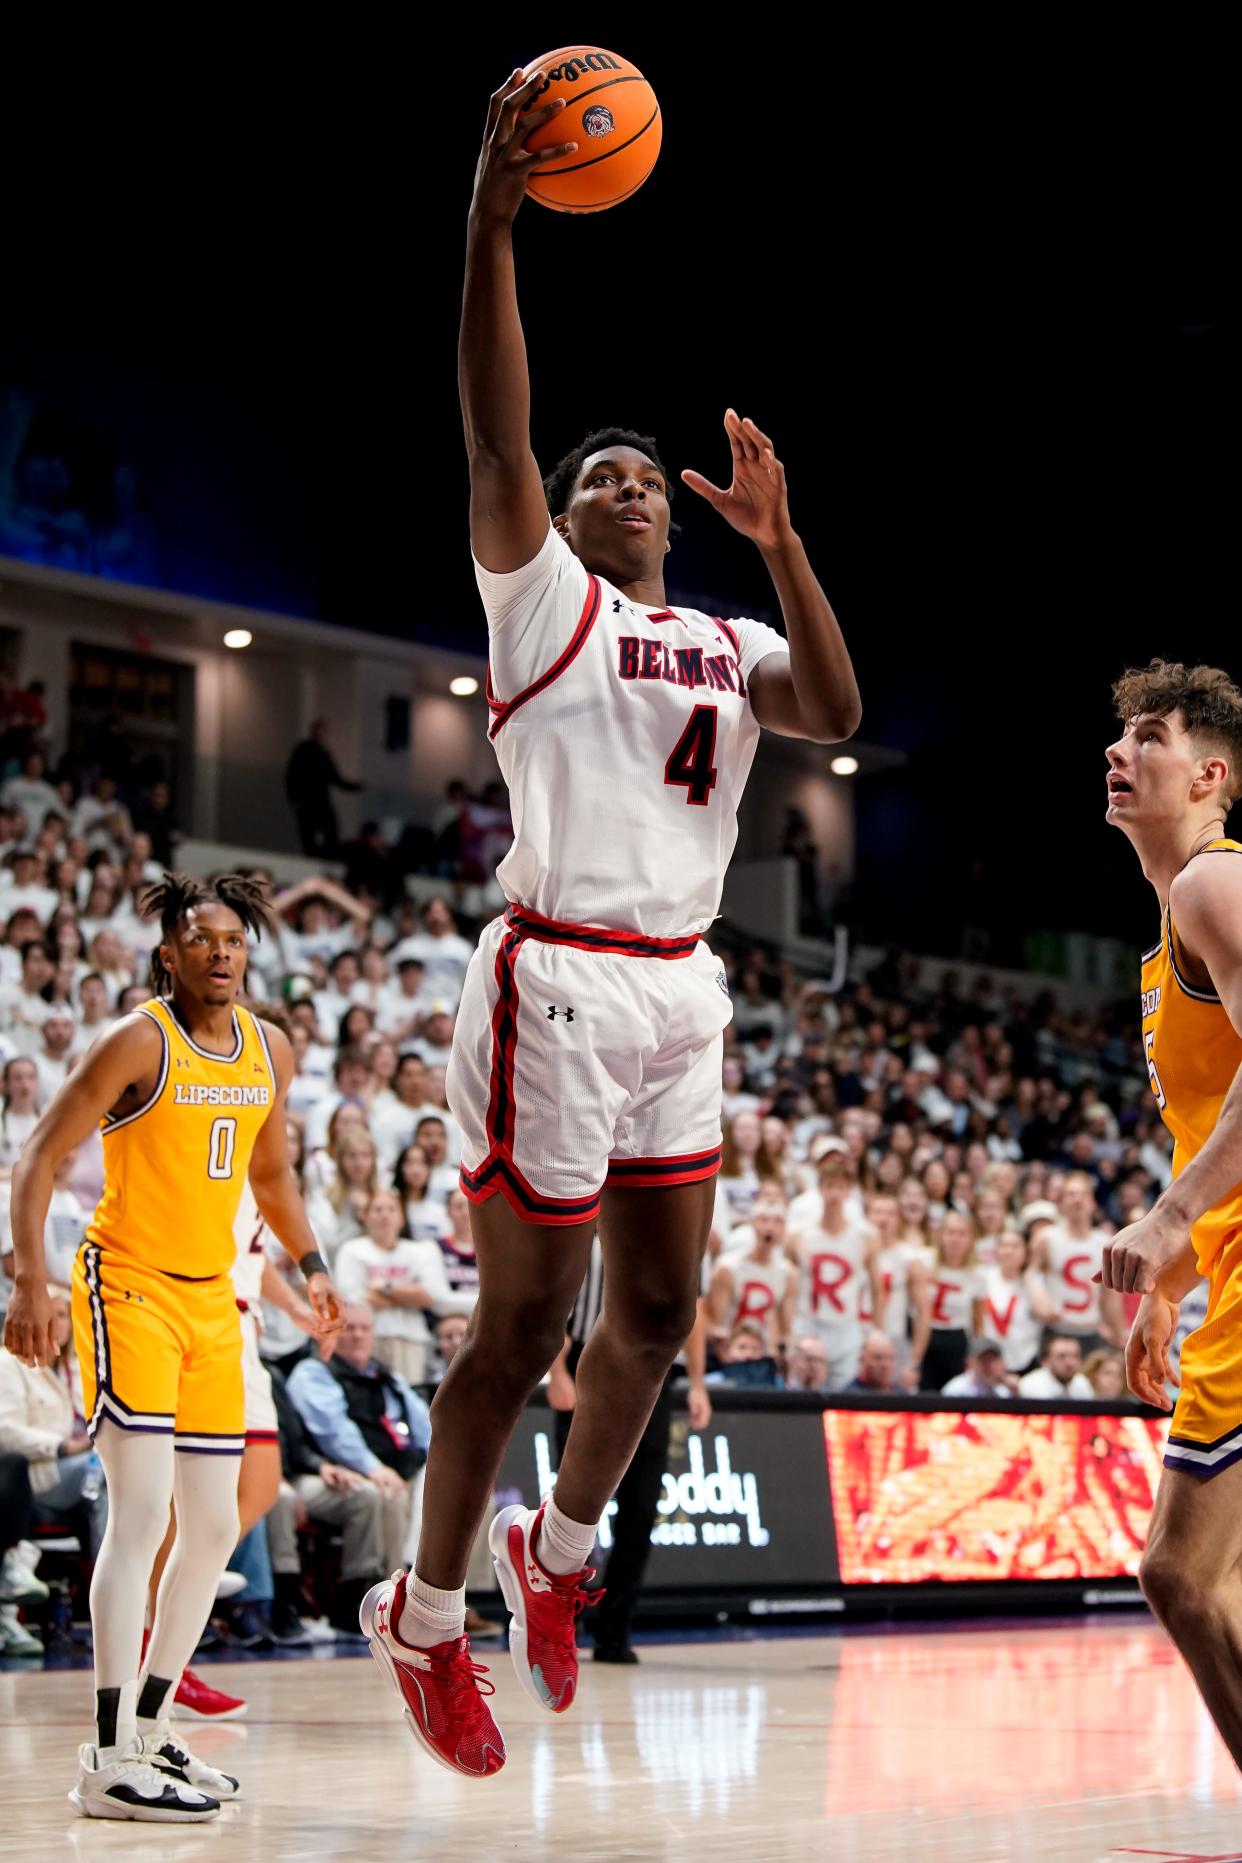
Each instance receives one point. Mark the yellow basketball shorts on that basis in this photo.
(159, 1356)
(1206, 1433)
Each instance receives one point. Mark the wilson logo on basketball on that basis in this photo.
(598, 120)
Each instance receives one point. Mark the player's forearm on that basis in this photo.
(492, 375)
(1178, 1276)
(31, 1194)
(819, 660)
(282, 1210)
(1213, 1172)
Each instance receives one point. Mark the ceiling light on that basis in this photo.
(238, 637)
(844, 766)
(464, 686)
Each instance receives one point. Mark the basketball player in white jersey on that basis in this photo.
(586, 1065)
(833, 1262)
(750, 1284)
(1068, 1254)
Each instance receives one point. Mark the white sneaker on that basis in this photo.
(169, 1753)
(230, 1584)
(18, 1584)
(15, 1639)
(131, 1787)
(28, 1553)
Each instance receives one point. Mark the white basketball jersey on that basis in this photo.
(1071, 1263)
(626, 736)
(830, 1280)
(249, 1231)
(1008, 1319)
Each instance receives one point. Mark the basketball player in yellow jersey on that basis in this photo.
(1173, 776)
(189, 1090)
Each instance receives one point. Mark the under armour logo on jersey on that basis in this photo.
(616, 606)
(554, 1012)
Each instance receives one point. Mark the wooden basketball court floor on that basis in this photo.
(1051, 1744)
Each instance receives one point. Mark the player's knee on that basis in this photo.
(658, 1327)
(521, 1341)
(1179, 1596)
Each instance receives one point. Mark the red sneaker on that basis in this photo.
(543, 1633)
(197, 1700)
(441, 1690)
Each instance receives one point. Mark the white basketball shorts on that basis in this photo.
(260, 1404)
(581, 1056)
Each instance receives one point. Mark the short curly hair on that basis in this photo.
(559, 484)
(1208, 700)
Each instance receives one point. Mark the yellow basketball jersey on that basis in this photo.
(1193, 1053)
(174, 1169)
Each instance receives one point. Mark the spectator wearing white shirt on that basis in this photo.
(21, 928)
(338, 1211)
(426, 1217)
(435, 1044)
(1059, 1373)
(404, 1006)
(444, 953)
(65, 1228)
(985, 1374)
(461, 1263)
(52, 1060)
(400, 1280)
(112, 962)
(31, 793)
(735, 1098)
(308, 928)
(395, 1114)
(23, 1007)
(431, 1133)
(352, 1078)
(331, 1003)
(92, 813)
(23, 882)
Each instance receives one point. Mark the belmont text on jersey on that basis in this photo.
(684, 666)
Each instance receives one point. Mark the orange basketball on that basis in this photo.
(611, 113)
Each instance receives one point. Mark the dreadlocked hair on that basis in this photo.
(1208, 700)
(178, 893)
(559, 485)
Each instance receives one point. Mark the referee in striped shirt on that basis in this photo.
(638, 1497)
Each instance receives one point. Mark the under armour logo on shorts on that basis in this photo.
(554, 1012)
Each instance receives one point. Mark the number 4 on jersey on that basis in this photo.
(690, 763)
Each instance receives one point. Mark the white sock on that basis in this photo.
(563, 1545)
(430, 1616)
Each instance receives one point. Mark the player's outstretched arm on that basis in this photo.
(276, 1192)
(124, 1061)
(508, 513)
(1156, 1253)
(814, 694)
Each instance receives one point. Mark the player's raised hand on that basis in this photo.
(28, 1326)
(505, 163)
(756, 503)
(1148, 1370)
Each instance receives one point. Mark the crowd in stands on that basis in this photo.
(917, 1183)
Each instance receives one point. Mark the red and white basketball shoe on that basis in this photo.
(543, 1632)
(441, 1689)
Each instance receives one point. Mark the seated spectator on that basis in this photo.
(30, 794)
(750, 1284)
(40, 1419)
(351, 1075)
(18, 1584)
(1105, 1372)
(395, 1114)
(318, 1489)
(877, 1367)
(461, 1266)
(435, 1043)
(807, 1368)
(985, 1374)
(1059, 1373)
(399, 1280)
(426, 1218)
(451, 1331)
(745, 1358)
(366, 1418)
(24, 884)
(23, 1006)
(403, 1008)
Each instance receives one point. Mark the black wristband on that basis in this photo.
(313, 1263)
